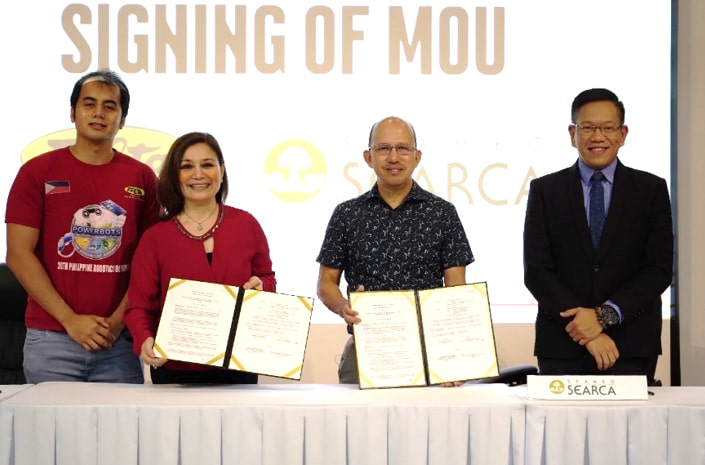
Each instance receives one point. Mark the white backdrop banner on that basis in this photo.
(290, 90)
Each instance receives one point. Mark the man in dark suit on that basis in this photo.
(598, 252)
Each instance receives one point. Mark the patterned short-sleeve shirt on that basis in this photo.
(408, 247)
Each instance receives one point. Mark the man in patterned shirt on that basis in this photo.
(395, 236)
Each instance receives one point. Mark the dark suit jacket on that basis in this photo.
(632, 267)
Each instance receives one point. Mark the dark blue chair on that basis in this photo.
(511, 376)
(13, 302)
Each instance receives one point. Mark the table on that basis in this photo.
(81, 423)
(7, 391)
(669, 428)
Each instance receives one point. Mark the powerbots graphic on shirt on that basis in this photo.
(96, 231)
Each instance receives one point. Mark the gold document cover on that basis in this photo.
(417, 338)
(228, 326)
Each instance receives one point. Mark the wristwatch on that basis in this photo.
(607, 316)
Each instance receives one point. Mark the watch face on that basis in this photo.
(608, 316)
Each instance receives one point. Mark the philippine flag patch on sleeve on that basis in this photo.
(56, 187)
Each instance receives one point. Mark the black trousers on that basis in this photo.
(587, 366)
(219, 376)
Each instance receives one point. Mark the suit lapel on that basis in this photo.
(577, 206)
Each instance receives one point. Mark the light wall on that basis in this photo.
(690, 133)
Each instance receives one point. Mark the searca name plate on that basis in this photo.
(587, 387)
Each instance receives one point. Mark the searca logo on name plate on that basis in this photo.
(569, 387)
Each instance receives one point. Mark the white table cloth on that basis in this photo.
(668, 428)
(9, 390)
(100, 424)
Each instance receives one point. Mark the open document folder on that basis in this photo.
(417, 338)
(228, 326)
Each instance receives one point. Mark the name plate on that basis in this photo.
(587, 387)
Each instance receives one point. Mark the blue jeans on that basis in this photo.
(54, 356)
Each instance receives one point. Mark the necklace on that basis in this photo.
(199, 224)
(208, 233)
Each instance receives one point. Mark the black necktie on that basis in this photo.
(597, 206)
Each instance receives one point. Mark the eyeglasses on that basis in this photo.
(588, 129)
(386, 149)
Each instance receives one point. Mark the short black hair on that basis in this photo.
(110, 78)
(596, 95)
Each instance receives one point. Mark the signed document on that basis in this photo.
(228, 326)
(417, 338)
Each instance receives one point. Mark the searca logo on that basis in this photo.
(146, 145)
(556, 386)
(295, 171)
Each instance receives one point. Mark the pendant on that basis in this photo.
(200, 227)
